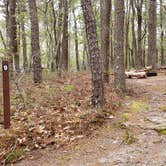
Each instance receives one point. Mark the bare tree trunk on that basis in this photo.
(119, 69)
(105, 10)
(134, 43)
(22, 10)
(152, 35)
(12, 29)
(138, 5)
(127, 25)
(35, 48)
(162, 34)
(95, 61)
(76, 41)
(65, 39)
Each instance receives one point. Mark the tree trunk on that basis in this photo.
(119, 69)
(23, 34)
(95, 61)
(65, 39)
(105, 10)
(138, 5)
(162, 34)
(127, 25)
(76, 41)
(35, 48)
(134, 43)
(152, 35)
(12, 30)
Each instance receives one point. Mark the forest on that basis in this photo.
(83, 82)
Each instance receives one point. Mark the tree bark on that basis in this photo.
(23, 34)
(76, 41)
(152, 50)
(105, 10)
(119, 69)
(162, 34)
(12, 30)
(138, 5)
(134, 42)
(65, 39)
(95, 61)
(35, 47)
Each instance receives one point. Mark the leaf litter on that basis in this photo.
(58, 112)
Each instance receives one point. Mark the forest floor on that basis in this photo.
(133, 133)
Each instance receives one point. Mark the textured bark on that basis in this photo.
(162, 34)
(95, 62)
(59, 34)
(134, 43)
(152, 50)
(65, 39)
(53, 63)
(12, 30)
(127, 25)
(23, 34)
(138, 4)
(105, 6)
(119, 69)
(35, 48)
(76, 41)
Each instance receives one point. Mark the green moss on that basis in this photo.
(122, 125)
(139, 105)
(84, 116)
(161, 131)
(14, 155)
(126, 116)
(69, 88)
(163, 108)
(129, 138)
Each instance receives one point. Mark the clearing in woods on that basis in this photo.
(135, 135)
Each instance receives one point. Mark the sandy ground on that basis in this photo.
(138, 144)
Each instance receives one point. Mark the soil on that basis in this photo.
(135, 136)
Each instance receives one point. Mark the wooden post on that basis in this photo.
(6, 95)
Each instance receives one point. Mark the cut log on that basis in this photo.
(152, 74)
(134, 74)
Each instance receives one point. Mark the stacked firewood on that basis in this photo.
(142, 73)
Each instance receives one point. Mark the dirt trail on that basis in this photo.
(137, 143)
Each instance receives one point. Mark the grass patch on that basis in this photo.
(139, 105)
(161, 131)
(129, 138)
(163, 108)
(14, 155)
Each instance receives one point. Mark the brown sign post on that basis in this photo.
(6, 93)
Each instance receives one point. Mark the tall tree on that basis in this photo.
(138, 4)
(95, 61)
(127, 25)
(22, 10)
(35, 47)
(12, 33)
(152, 35)
(105, 10)
(162, 34)
(134, 42)
(65, 39)
(119, 69)
(76, 41)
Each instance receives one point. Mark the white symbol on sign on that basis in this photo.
(5, 67)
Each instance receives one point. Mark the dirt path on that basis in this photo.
(130, 139)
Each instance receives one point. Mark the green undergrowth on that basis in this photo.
(161, 131)
(14, 155)
(138, 106)
(163, 108)
(129, 137)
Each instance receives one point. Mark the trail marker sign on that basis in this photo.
(6, 93)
